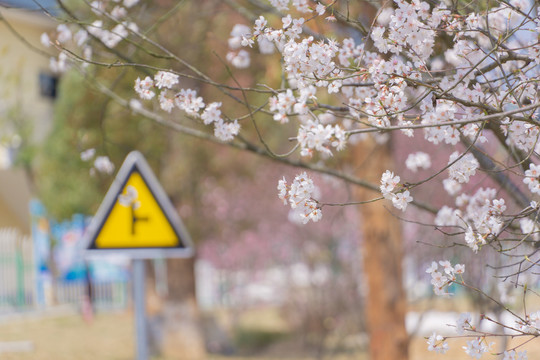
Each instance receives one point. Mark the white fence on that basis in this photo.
(105, 296)
(17, 271)
(18, 280)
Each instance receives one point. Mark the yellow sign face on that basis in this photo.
(136, 220)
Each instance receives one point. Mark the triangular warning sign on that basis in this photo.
(136, 217)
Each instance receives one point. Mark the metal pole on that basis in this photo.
(141, 339)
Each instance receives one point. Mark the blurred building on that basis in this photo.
(27, 93)
(14, 199)
(26, 99)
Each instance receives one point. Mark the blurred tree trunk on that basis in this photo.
(386, 303)
(382, 254)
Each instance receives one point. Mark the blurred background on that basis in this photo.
(260, 285)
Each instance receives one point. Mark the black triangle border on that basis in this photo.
(135, 162)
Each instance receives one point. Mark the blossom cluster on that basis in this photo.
(410, 29)
(101, 164)
(300, 196)
(462, 167)
(531, 325)
(312, 135)
(239, 58)
(418, 160)
(532, 178)
(300, 5)
(63, 35)
(477, 347)
(406, 31)
(464, 323)
(109, 33)
(444, 278)
(520, 134)
(111, 38)
(480, 214)
(513, 355)
(186, 100)
(283, 105)
(529, 228)
(392, 190)
(300, 57)
(437, 343)
(480, 86)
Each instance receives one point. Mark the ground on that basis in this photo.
(110, 337)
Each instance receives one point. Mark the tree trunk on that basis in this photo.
(382, 254)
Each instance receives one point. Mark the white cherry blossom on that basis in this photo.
(437, 343)
(165, 79)
(462, 168)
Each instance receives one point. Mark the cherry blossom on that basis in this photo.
(418, 160)
(441, 281)
(188, 101)
(211, 113)
(464, 323)
(531, 325)
(166, 101)
(164, 79)
(299, 195)
(437, 344)
(130, 3)
(462, 167)
(513, 355)
(144, 88)
(400, 200)
(532, 177)
(63, 33)
(240, 59)
(226, 131)
(103, 164)
(315, 136)
(465, 83)
(477, 347)
(45, 40)
(88, 154)
(389, 182)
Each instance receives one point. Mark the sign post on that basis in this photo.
(137, 219)
(139, 285)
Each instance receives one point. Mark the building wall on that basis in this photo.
(9, 220)
(20, 68)
(14, 200)
(21, 106)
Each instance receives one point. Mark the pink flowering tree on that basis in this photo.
(315, 268)
(345, 82)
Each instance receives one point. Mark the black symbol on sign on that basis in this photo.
(135, 219)
(129, 199)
